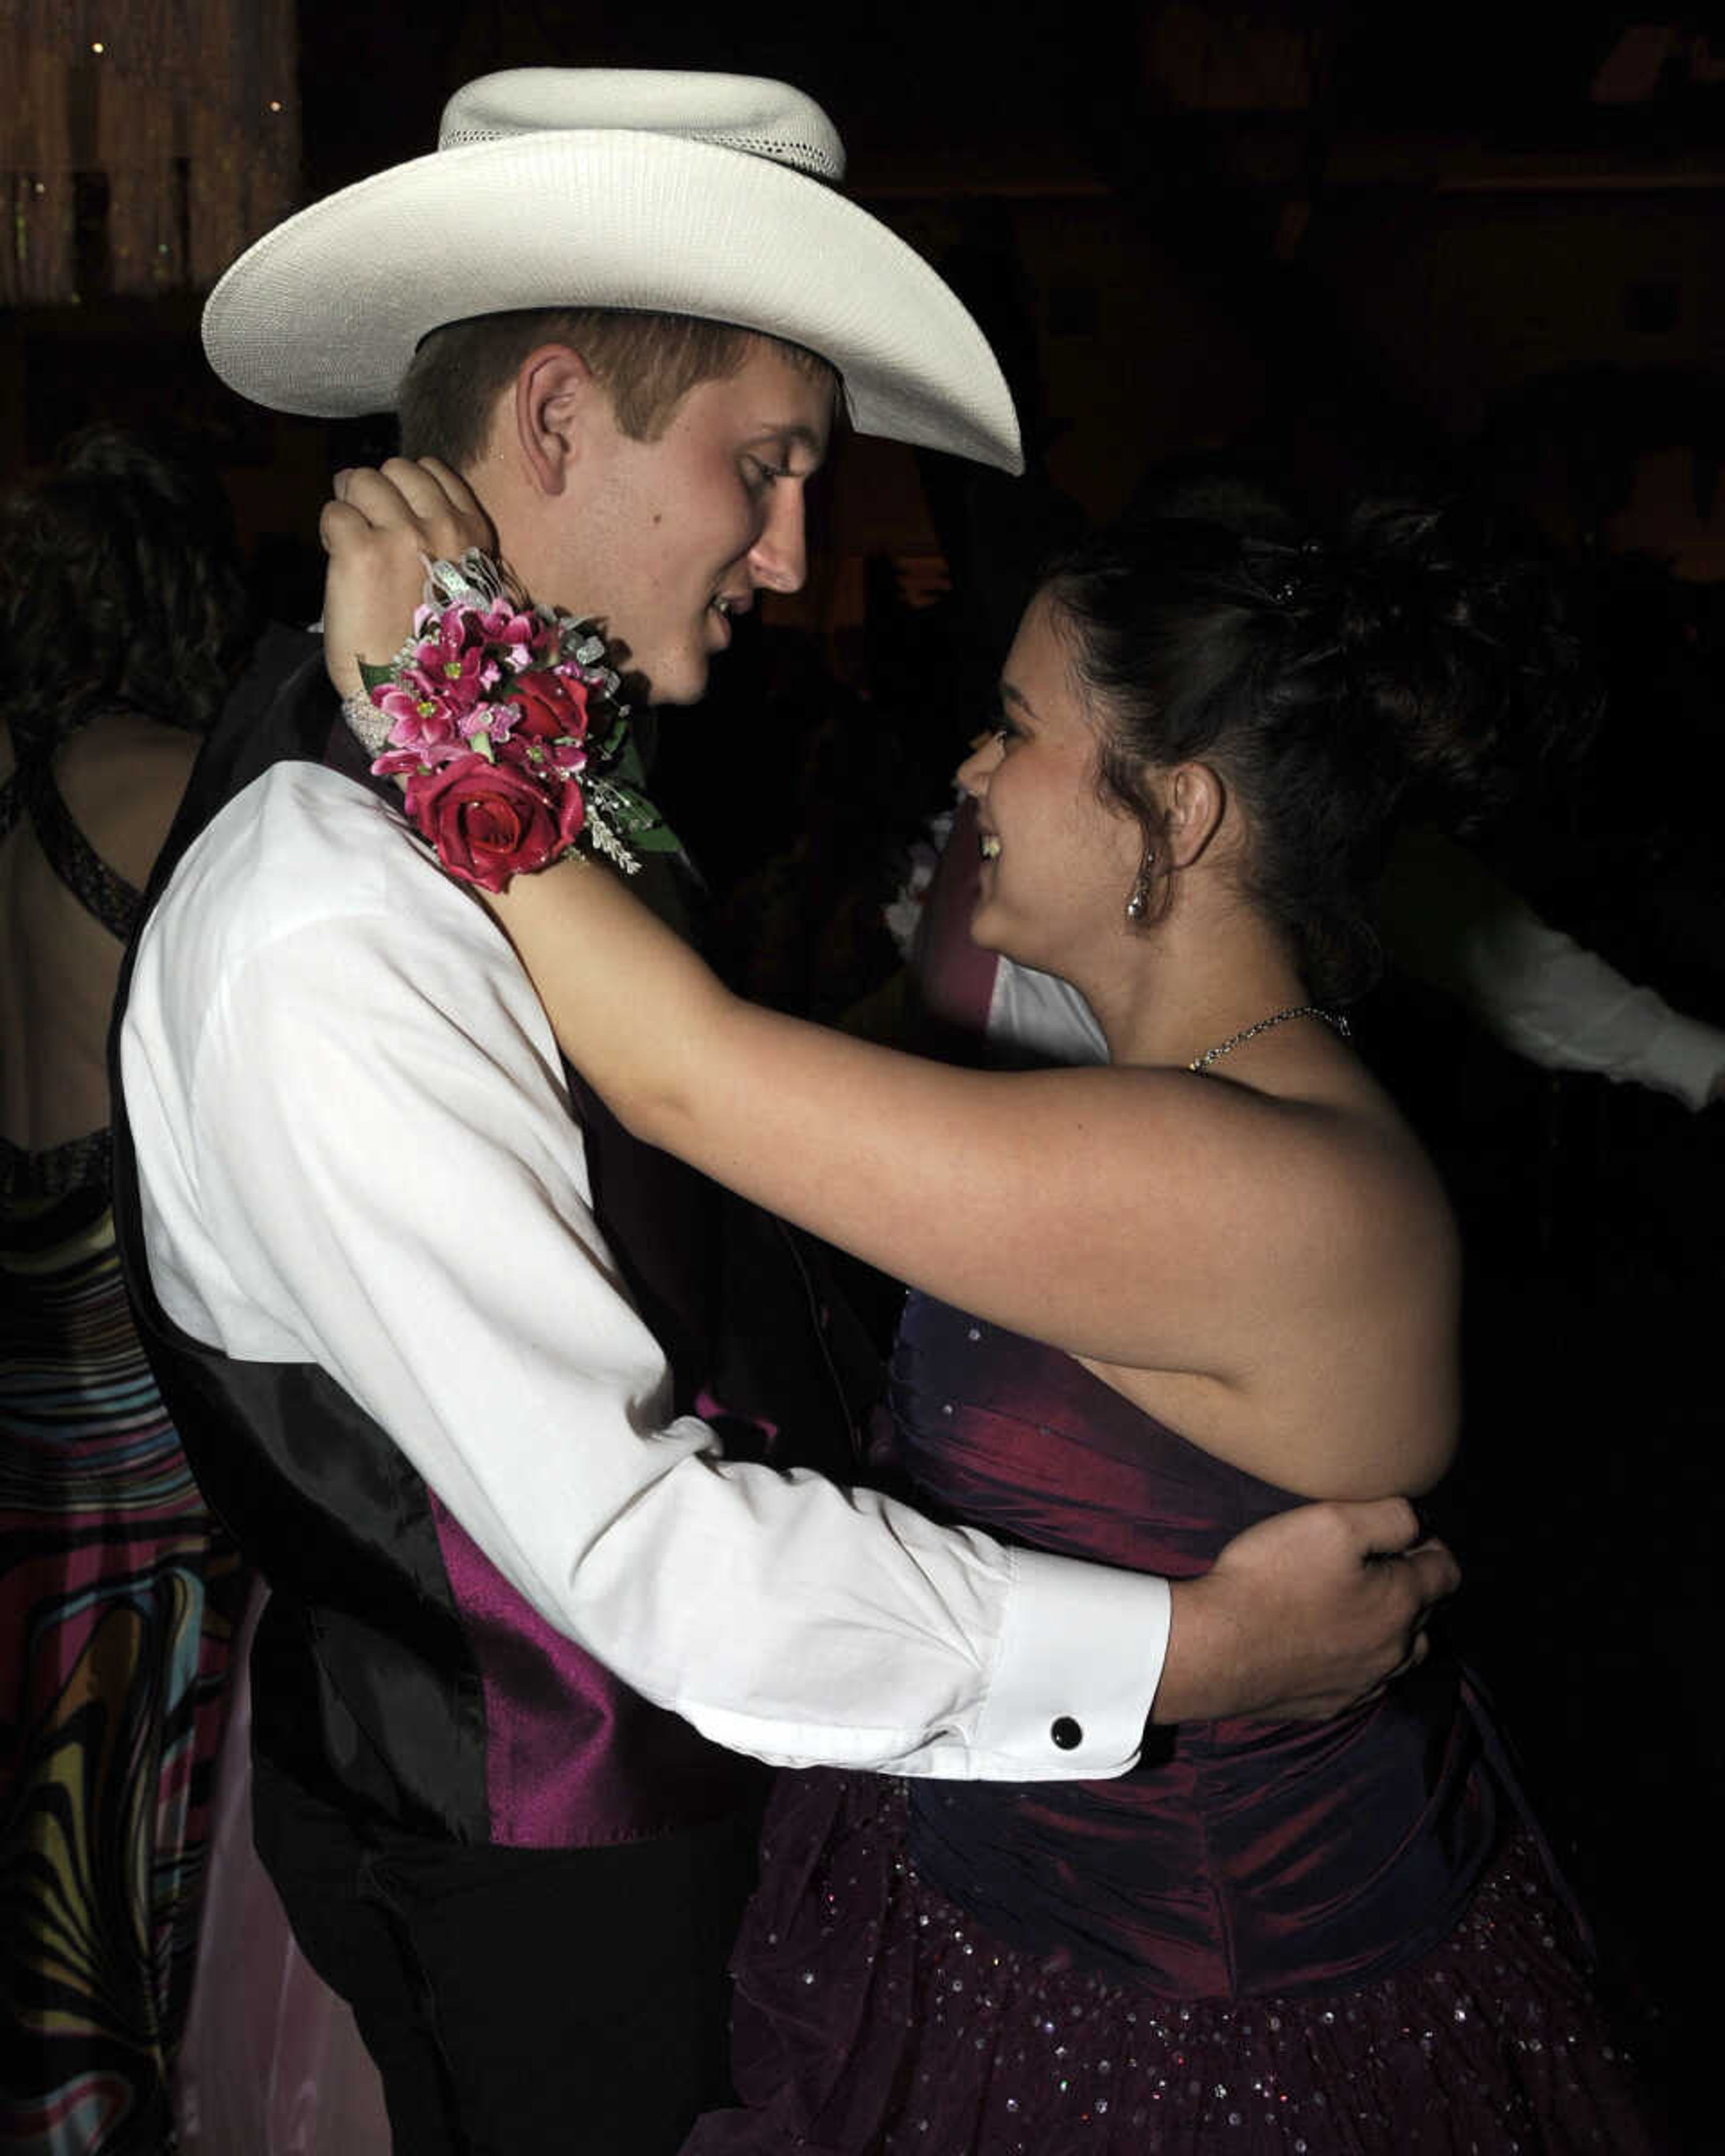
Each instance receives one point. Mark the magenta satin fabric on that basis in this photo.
(1277, 1939)
(874, 2017)
(1242, 1856)
(573, 1757)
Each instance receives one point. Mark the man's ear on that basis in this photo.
(1195, 801)
(557, 403)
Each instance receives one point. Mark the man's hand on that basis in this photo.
(1304, 1615)
(379, 531)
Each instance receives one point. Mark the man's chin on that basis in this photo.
(679, 677)
(683, 683)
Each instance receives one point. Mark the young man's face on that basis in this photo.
(664, 539)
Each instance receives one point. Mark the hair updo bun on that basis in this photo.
(1463, 656)
(1409, 668)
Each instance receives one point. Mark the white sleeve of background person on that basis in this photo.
(1451, 921)
(1038, 1017)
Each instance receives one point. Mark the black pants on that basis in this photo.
(521, 2002)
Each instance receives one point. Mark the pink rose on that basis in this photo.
(492, 821)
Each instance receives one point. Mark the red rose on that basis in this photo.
(550, 706)
(489, 821)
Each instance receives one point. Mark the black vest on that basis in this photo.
(375, 1682)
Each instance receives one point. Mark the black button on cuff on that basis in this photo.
(1067, 1733)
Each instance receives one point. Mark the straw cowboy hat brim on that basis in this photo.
(668, 211)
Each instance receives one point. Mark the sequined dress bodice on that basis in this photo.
(1240, 1856)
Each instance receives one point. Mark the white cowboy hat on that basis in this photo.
(694, 194)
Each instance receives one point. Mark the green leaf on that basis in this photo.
(661, 840)
(637, 822)
(607, 748)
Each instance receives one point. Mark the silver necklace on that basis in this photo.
(1333, 1019)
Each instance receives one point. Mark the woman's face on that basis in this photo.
(1060, 858)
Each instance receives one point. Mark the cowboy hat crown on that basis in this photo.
(708, 195)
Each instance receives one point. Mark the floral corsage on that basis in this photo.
(505, 722)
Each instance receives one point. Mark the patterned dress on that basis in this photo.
(117, 1593)
(1331, 1938)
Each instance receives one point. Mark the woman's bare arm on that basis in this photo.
(1302, 1613)
(1096, 1209)
(1099, 1210)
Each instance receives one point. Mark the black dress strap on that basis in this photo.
(101, 891)
(79, 1166)
(32, 1181)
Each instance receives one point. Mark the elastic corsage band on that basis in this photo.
(505, 723)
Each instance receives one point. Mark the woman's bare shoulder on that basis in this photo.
(1338, 1307)
(1369, 1215)
(1330, 1161)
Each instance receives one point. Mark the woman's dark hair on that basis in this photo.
(120, 588)
(1406, 670)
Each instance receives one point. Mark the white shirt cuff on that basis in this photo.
(1079, 1660)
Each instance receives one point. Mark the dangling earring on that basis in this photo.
(1139, 903)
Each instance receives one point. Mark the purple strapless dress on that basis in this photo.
(1334, 1937)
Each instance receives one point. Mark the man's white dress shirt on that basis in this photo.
(355, 1149)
